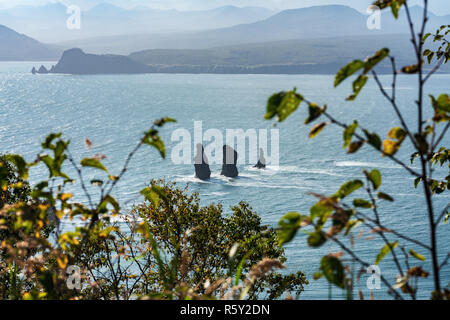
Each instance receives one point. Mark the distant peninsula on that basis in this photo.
(75, 61)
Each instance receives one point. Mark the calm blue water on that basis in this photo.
(113, 111)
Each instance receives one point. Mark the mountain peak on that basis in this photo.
(4, 28)
(18, 47)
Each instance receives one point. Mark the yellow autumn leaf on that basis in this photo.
(62, 262)
(27, 296)
(390, 147)
(397, 133)
(66, 196)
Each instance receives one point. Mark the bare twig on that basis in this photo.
(80, 175)
(443, 213)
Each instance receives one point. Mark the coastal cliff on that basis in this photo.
(75, 61)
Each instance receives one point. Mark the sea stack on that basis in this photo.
(33, 71)
(42, 70)
(230, 157)
(202, 170)
(261, 161)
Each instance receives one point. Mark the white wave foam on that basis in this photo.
(365, 164)
(294, 169)
(219, 194)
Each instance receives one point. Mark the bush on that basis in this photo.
(205, 237)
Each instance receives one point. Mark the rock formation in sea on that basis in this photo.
(230, 157)
(33, 71)
(261, 161)
(202, 170)
(42, 70)
(75, 61)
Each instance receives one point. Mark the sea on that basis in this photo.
(113, 111)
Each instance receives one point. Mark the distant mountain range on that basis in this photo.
(306, 23)
(310, 40)
(48, 23)
(18, 47)
(309, 56)
(314, 56)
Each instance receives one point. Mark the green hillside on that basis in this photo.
(325, 55)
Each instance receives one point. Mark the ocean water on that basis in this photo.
(114, 110)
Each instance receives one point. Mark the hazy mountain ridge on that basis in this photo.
(326, 55)
(306, 23)
(18, 47)
(48, 23)
(310, 56)
(318, 39)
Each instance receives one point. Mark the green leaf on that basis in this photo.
(314, 112)
(425, 37)
(288, 227)
(320, 209)
(19, 163)
(417, 255)
(349, 132)
(153, 194)
(417, 181)
(385, 251)
(443, 103)
(397, 133)
(395, 7)
(351, 225)
(348, 188)
(283, 104)
(317, 129)
(154, 140)
(240, 268)
(316, 239)
(53, 169)
(93, 163)
(427, 52)
(414, 156)
(374, 177)
(347, 71)
(317, 275)
(373, 139)
(163, 121)
(361, 203)
(108, 200)
(430, 57)
(333, 270)
(358, 84)
(372, 61)
(47, 144)
(384, 196)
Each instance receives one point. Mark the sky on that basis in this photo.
(440, 7)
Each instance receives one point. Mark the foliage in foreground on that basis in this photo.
(333, 218)
(169, 247)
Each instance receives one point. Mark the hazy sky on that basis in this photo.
(438, 6)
